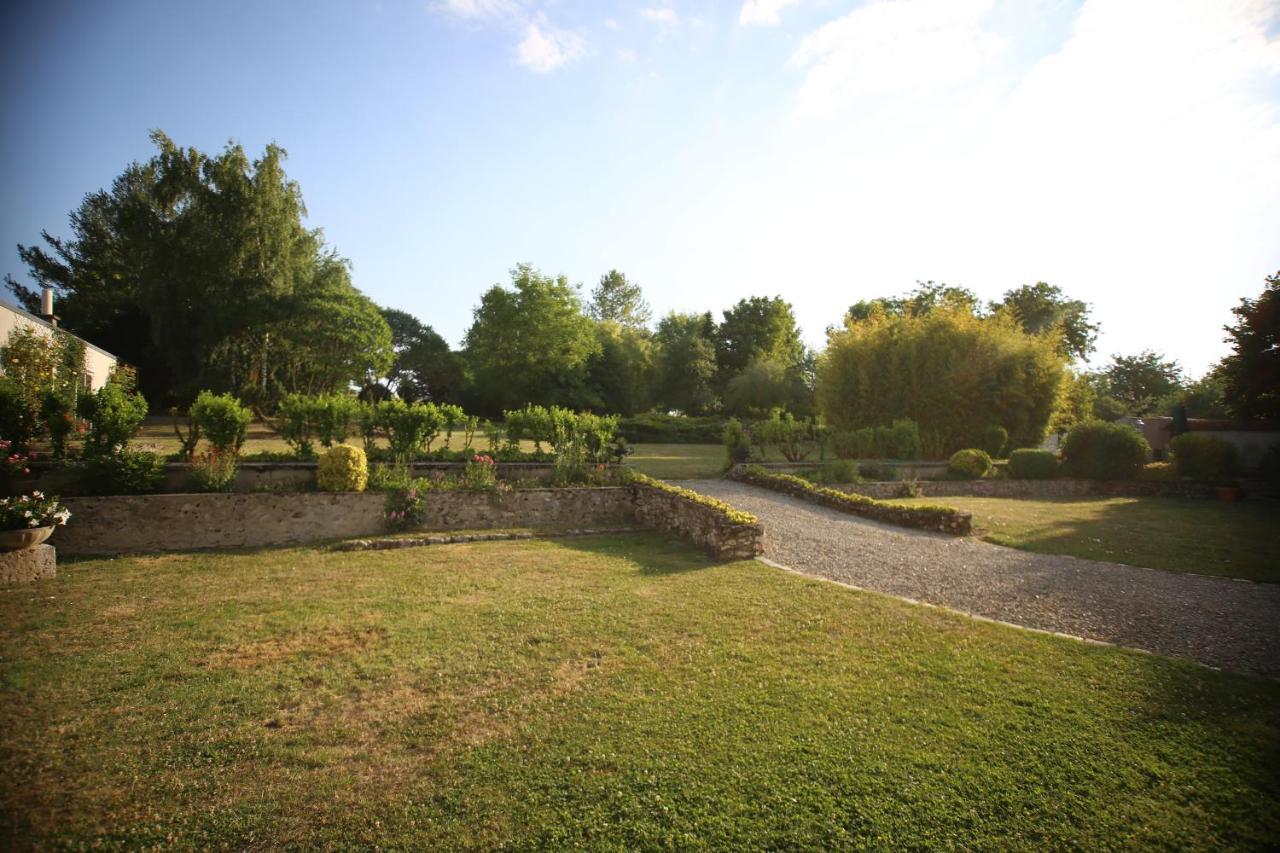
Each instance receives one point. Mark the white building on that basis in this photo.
(97, 361)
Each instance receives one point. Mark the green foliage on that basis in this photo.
(222, 420)
(57, 415)
(1031, 464)
(295, 421)
(927, 296)
(877, 472)
(1104, 451)
(971, 463)
(1043, 309)
(947, 370)
(1158, 472)
(481, 473)
(594, 435)
(616, 300)
(758, 330)
(342, 468)
(187, 441)
(423, 367)
(993, 440)
(531, 343)
(737, 443)
(1140, 382)
(1252, 369)
(404, 509)
(1075, 403)
(1205, 458)
(899, 441)
(114, 415)
(764, 385)
(334, 417)
(662, 428)
(620, 374)
(215, 471)
(199, 269)
(1204, 398)
(124, 472)
(842, 471)
(40, 375)
(685, 363)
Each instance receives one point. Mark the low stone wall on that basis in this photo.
(103, 526)
(1055, 488)
(697, 523)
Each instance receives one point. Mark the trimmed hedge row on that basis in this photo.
(660, 428)
(734, 516)
(944, 519)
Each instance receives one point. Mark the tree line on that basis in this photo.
(198, 270)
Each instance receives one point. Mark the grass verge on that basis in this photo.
(618, 692)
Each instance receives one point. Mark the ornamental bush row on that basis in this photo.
(925, 517)
(733, 516)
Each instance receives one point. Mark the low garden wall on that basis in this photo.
(939, 518)
(102, 526)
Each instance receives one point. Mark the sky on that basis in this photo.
(1127, 151)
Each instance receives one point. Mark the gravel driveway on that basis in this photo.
(1220, 622)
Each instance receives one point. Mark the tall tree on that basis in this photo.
(424, 368)
(195, 268)
(757, 329)
(1141, 381)
(1252, 370)
(686, 363)
(620, 301)
(1043, 309)
(620, 374)
(926, 296)
(530, 344)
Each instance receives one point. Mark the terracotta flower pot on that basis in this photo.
(20, 540)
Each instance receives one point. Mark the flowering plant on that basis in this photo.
(404, 509)
(13, 463)
(33, 510)
(481, 473)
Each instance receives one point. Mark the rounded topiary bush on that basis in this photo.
(342, 468)
(1031, 464)
(1203, 457)
(993, 440)
(1104, 451)
(970, 464)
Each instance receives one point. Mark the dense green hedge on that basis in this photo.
(661, 428)
(1205, 458)
(1104, 451)
(971, 463)
(1030, 464)
(924, 517)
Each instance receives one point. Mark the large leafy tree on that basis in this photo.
(1252, 370)
(926, 296)
(1140, 382)
(530, 344)
(617, 300)
(685, 363)
(424, 368)
(951, 372)
(198, 269)
(758, 329)
(1043, 309)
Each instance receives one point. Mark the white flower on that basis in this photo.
(38, 495)
(33, 523)
(26, 514)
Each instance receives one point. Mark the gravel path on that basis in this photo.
(1224, 623)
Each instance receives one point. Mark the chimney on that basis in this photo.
(46, 306)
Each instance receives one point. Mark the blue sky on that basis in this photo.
(1126, 150)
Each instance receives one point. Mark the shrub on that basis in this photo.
(1203, 457)
(222, 420)
(18, 421)
(791, 436)
(1158, 472)
(971, 463)
(661, 428)
(214, 471)
(59, 420)
(1104, 451)
(993, 440)
(899, 441)
(391, 477)
(877, 473)
(295, 421)
(342, 468)
(333, 417)
(481, 473)
(1030, 464)
(843, 471)
(125, 472)
(404, 509)
(114, 414)
(736, 442)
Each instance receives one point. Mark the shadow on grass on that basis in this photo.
(1175, 534)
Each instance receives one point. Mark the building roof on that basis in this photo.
(32, 318)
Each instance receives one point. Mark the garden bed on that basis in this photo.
(940, 518)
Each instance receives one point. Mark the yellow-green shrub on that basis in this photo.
(342, 468)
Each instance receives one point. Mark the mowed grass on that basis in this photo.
(1177, 534)
(678, 461)
(610, 693)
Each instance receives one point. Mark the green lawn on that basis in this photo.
(610, 693)
(1179, 534)
(678, 461)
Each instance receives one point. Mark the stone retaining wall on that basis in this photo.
(693, 522)
(103, 526)
(29, 564)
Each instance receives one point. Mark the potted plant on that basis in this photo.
(28, 520)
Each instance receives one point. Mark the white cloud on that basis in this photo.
(763, 12)
(627, 55)
(474, 9)
(889, 47)
(611, 24)
(546, 48)
(663, 15)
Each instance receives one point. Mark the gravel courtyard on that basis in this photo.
(1224, 623)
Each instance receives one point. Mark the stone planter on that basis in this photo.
(21, 540)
